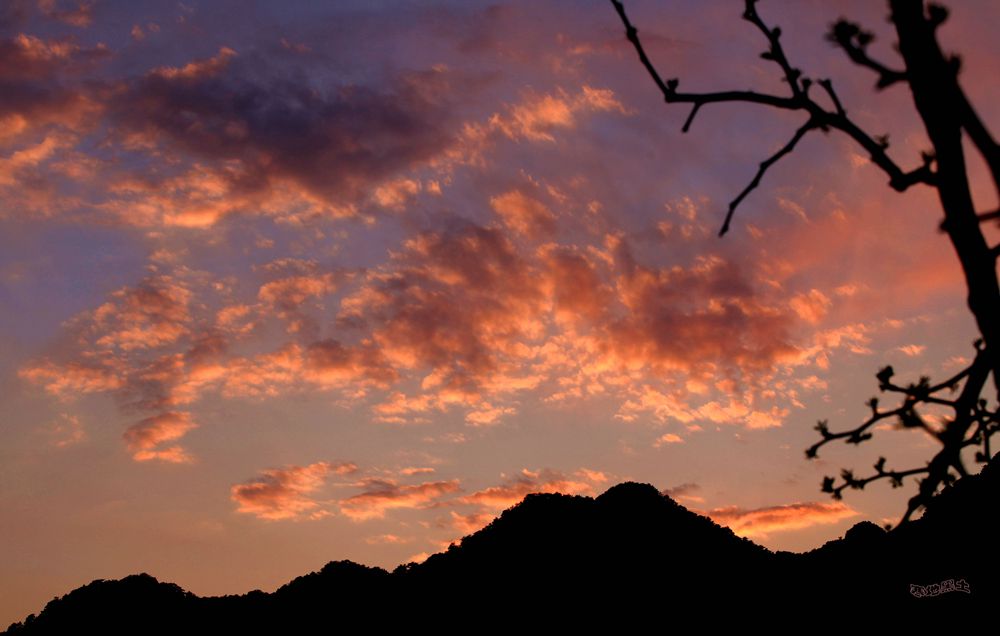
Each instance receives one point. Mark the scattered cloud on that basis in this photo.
(69, 380)
(668, 438)
(524, 215)
(67, 430)
(514, 488)
(685, 492)
(287, 493)
(470, 523)
(381, 495)
(78, 13)
(761, 522)
(259, 141)
(388, 539)
(146, 438)
(811, 307)
(538, 116)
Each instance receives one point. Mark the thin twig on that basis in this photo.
(969, 411)
(799, 100)
(854, 41)
(767, 163)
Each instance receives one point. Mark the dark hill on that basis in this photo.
(631, 555)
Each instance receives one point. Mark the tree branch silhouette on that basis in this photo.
(819, 116)
(972, 425)
(946, 112)
(855, 40)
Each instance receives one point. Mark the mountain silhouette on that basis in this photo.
(631, 555)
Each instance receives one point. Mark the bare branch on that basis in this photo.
(687, 122)
(751, 97)
(775, 53)
(828, 87)
(633, 36)
(854, 41)
(973, 424)
(669, 87)
(854, 435)
(969, 411)
(979, 135)
(819, 117)
(767, 163)
(850, 481)
(898, 180)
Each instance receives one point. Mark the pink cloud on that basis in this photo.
(524, 215)
(78, 13)
(409, 305)
(514, 488)
(381, 495)
(761, 522)
(146, 438)
(390, 539)
(197, 70)
(538, 117)
(467, 524)
(668, 438)
(912, 350)
(66, 381)
(287, 493)
(152, 314)
(276, 147)
(67, 431)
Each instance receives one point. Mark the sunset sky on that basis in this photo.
(285, 283)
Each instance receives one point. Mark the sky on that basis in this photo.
(285, 283)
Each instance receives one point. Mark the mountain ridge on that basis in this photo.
(627, 548)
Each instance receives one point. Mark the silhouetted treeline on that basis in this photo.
(631, 555)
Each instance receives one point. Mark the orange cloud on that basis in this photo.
(235, 319)
(668, 438)
(27, 56)
(286, 493)
(397, 193)
(416, 470)
(524, 215)
(811, 307)
(274, 146)
(146, 437)
(537, 117)
(409, 306)
(287, 295)
(515, 488)
(761, 522)
(487, 414)
(328, 363)
(391, 539)
(469, 523)
(686, 492)
(381, 495)
(68, 380)
(687, 317)
(199, 69)
(80, 13)
(13, 167)
(912, 350)
(39, 93)
(67, 431)
(574, 282)
(151, 314)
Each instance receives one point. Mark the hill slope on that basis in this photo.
(629, 553)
